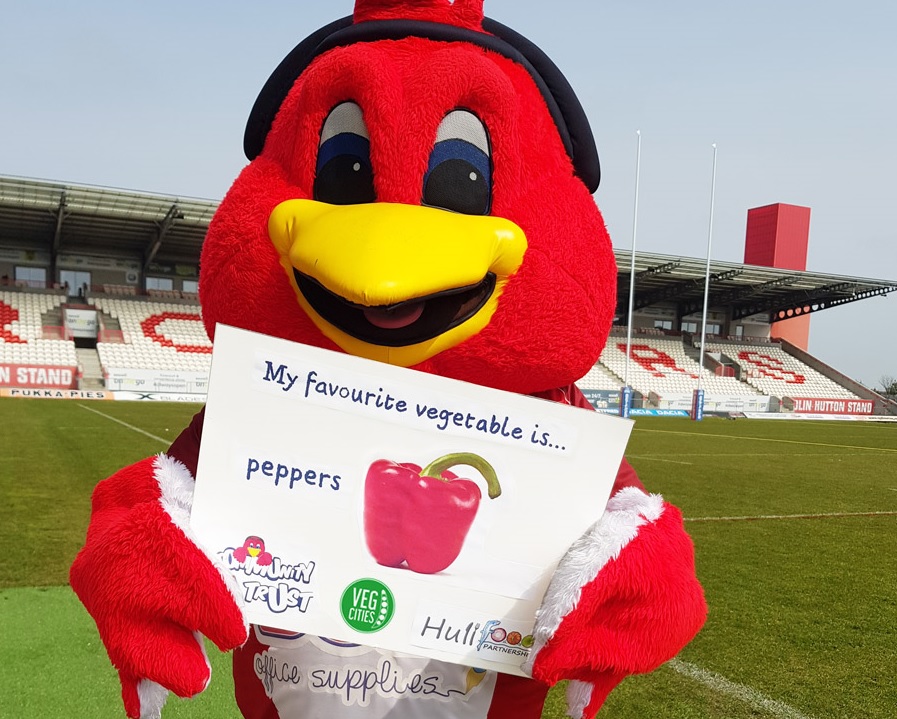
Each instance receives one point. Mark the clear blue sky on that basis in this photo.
(801, 99)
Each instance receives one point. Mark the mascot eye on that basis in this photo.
(343, 175)
(459, 173)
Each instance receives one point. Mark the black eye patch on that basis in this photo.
(458, 178)
(343, 174)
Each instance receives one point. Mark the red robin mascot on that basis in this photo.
(419, 192)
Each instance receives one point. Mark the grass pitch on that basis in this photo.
(794, 524)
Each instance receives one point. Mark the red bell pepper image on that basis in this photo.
(420, 517)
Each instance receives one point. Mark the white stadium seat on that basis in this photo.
(21, 339)
(175, 341)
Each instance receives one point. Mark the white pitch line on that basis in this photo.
(813, 455)
(657, 459)
(790, 516)
(749, 696)
(125, 424)
(767, 439)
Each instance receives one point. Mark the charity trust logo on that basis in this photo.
(267, 579)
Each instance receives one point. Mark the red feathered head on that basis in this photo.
(419, 193)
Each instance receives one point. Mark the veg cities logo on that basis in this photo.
(367, 605)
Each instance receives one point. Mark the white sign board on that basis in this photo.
(81, 323)
(309, 488)
(150, 380)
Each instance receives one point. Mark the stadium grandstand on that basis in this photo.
(99, 299)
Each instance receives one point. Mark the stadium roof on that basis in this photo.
(745, 289)
(58, 217)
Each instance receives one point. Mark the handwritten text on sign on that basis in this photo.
(441, 413)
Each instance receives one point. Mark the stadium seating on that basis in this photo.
(661, 365)
(171, 337)
(22, 331)
(775, 372)
(599, 377)
(164, 294)
(120, 290)
(156, 336)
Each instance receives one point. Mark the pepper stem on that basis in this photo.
(438, 466)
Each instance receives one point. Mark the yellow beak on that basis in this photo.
(395, 283)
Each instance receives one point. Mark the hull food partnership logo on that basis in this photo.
(456, 631)
(498, 639)
(367, 605)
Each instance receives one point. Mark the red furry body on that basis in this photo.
(520, 298)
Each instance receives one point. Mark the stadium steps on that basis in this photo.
(52, 317)
(89, 361)
(108, 322)
(689, 344)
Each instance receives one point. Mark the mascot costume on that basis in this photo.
(419, 192)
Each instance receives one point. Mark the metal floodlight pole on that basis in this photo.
(638, 162)
(707, 272)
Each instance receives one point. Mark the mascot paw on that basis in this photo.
(623, 600)
(151, 589)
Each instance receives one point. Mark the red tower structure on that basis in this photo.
(778, 236)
